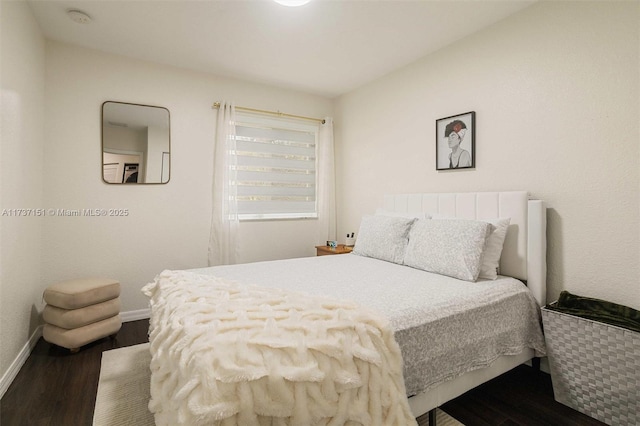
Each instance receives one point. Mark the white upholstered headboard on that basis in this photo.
(525, 247)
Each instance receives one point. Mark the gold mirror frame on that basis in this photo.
(136, 143)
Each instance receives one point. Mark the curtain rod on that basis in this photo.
(277, 113)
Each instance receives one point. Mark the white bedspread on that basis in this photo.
(224, 353)
(445, 327)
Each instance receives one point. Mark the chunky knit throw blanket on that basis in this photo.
(224, 353)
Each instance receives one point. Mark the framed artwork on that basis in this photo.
(456, 142)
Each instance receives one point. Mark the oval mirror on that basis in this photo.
(136, 143)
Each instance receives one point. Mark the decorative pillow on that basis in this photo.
(383, 212)
(451, 247)
(493, 248)
(383, 237)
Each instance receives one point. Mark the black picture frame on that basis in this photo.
(462, 127)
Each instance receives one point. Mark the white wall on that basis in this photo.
(21, 162)
(168, 225)
(125, 139)
(555, 90)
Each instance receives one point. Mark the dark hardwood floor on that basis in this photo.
(522, 396)
(59, 389)
(56, 388)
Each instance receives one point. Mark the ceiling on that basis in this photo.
(327, 47)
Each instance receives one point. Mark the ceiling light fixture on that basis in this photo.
(78, 16)
(292, 3)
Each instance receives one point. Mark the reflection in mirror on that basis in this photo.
(136, 143)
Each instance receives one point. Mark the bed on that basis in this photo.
(446, 348)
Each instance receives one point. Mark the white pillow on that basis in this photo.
(493, 248)
(383, 237)
(451, 247)
(383, 212)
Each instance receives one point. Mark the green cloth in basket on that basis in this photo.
(597, 310)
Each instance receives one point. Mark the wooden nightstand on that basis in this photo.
(326, 250)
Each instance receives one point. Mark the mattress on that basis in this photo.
(445, 327)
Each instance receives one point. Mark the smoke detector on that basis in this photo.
(78, 16)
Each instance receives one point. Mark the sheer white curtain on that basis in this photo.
(326, 183)
(223, 239)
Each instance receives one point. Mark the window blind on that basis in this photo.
(276, 168)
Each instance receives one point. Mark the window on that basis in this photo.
(275, 168)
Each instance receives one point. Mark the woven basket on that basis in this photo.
(595, 367)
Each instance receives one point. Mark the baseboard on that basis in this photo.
(135, 315)
(17, 364)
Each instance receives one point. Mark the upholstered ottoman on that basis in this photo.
(81, 311)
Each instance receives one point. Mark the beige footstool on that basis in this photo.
(81, 311)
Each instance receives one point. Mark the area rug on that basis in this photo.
(123, 390)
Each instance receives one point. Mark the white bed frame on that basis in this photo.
(523, 257)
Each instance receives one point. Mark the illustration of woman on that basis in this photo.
(455, 132)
